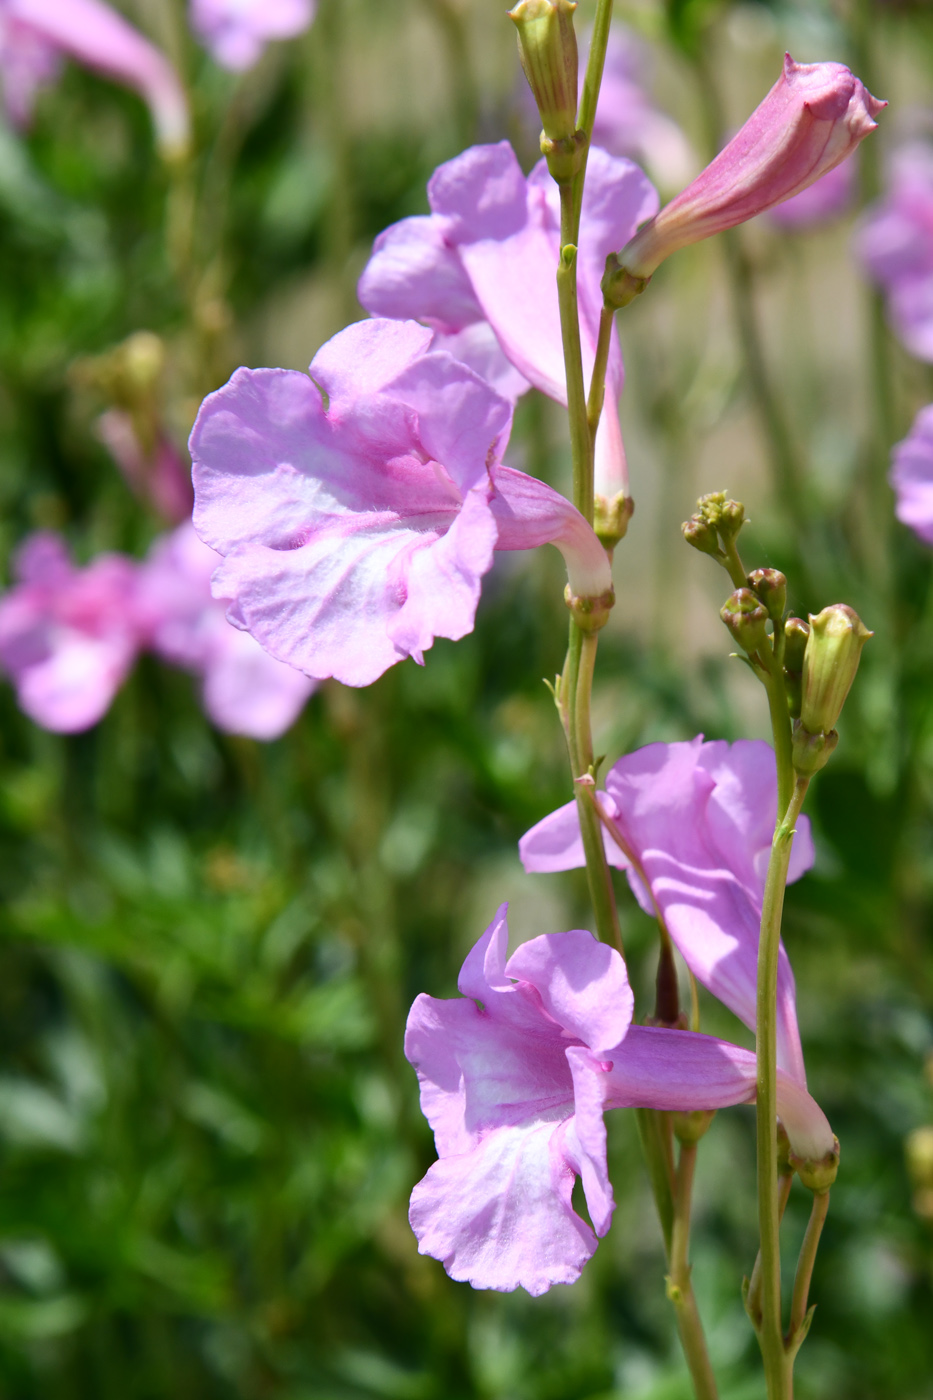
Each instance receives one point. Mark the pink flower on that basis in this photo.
(912, 476)
(698, 819)
(895, 243)
(482, 264)
(161, 477)
(813, 117)
(515, 1076)
(245, 690)
(235, 31)
(68, 636)
(826, 199)
(33, 33)
(358, 508)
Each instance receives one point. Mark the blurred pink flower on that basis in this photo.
(236, 31)
(627, 122)
(162, 478)
(358, 508)
(895, 243)
(68, 636)
(813, 117)
(480, 269)
(34, 33)
(515, 1076)
(826, 199)
(698, 819)
(912, 476)
(245, 690)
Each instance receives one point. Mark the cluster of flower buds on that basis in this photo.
(817, 660)
(547, 46)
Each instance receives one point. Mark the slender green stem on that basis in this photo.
(679, 1286)
(580, 445)
(586, 115)
(773, 682)
(655, 1133)
(805, 1262)
(753, 1299)
(770, 1332)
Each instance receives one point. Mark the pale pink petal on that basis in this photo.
(365, 357)
(235, 31)
(529, 513)
(477, 347)
(582, 983)
(247, 691)
(500, 1216)
(415, 271)
(555, 844)
(912, 476)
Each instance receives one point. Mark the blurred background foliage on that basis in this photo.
(208, 1133)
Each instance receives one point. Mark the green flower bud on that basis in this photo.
(796, 632)
(770, 586)
(690, 1127)
(731, 520)
(611, 516)
(818, 1176)
(619, 287)
(830, 662)
(745, 618)
(701, 535)
(811, 752)
(547, 46)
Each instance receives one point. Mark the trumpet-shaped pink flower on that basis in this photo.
(895, 244)
(515, 1076)
(68, 636)
(912, 476)
(358, 508)
(813, 117)
(484, 260)
(698, 819)
(34, 33)
(236, 31)
(245, 690)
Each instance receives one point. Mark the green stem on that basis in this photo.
(773, 682)
(753, 1300)
(594, 404)
(778, 1374)
(655, 1134)
(679, 1286)
(580, 445)
(586, 115)
(811, 1241)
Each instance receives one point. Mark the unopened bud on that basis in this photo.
(619, 286)
(701, 535)
(731, 519)
(837, 635)
(690, 1127)
(770, 586)
(590, 614)
(796, 632)
(818, 1175)
(745, 618)
(811, 752)
(547, 46)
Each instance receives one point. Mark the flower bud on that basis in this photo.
(611, 516)
(590, 613)
(770, 586)
(701, 535)
(796, 632)
(690, 1127)
(818, 1175)
(547, 46)
(745, 618)
(837, 635)
(813, 117)
(811, 752)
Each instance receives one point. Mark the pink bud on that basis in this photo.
(813, 117)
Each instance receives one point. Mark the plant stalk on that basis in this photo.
(679, 1286)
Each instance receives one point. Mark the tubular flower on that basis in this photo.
(480, 269)
(813, 117)
(515, 1077)
(245, 690)
(912, 476)
(236, 31)
(157, 475)
(828, 198)
(895, 246)
(697, 821)
(358, 509)
(35, 33)
(68, 636)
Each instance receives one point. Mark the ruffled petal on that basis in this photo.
(555, 843)
(582, 984)
(416, 272)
